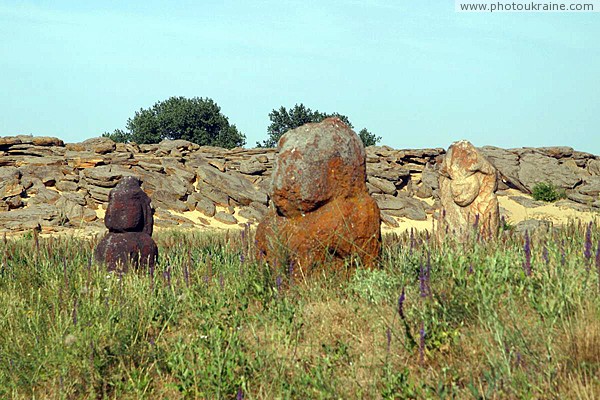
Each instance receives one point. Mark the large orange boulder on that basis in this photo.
(322, 209)
(468, 199)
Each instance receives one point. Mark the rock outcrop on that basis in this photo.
(467, 193)
(130, 222)
(181, 176)
(322, 209)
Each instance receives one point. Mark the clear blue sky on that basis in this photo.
(414, 72)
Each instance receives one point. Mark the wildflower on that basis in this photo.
(422, 335)
(598, 262)
(240, 394)
(424, 275)
(527, 249)
(587, 251)
(476, 223)
(186, 274)
(278, 282)
(388, 335)
(401, 304)
(545, 255)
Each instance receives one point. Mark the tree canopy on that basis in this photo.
(198, 120)
(283, 120)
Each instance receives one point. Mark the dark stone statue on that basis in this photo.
(129, 221)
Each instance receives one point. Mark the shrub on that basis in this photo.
(546, 191)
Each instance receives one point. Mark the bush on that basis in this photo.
(283, 120)
(197, 119)
(546, 191)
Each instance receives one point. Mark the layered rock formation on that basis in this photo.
(468, 199)
(322, 209)
(59, 186)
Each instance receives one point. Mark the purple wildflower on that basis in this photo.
(401, 304)
(186, 274)
(422, 335)
(587, 251)
(476, 223)
(278, 282)
(388, 334)
(412, 241)
(527, 249)
(545, 255)
(291, 269)
(240, 394)
(424, 275)
(598, 262)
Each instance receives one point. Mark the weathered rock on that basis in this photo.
(406, 207)
(323, 211)
(121, 250)
(98, 193)
(507, 165)
(383, 185)
(206, 207)
(226, 218)
(252, 167)
(593, 167)
(536, 168)
(533, 227)
(389, 220)
(100, 145)
(72, 206)
(567, 203)
(390, 172)
(591, 186)
(31, 217)
(106, 176)
(10, 184)
(429, 182)
(526, 201)
(581, 198)
(44, 196)
(130, 223)
(233, 184)
(467, 193)
(129, 208)
(67, 186)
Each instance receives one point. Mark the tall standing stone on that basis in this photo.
(323, 211)
(467, 193)
(130, 222)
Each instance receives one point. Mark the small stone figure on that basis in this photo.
(129, 221)
(467, 193)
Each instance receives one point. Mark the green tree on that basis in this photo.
(368, 138)
(197, 119)
(283, 120)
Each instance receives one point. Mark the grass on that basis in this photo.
(450, 321)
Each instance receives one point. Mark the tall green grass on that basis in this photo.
(212, 322)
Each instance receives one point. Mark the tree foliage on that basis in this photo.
(198, 120)
(283, 120)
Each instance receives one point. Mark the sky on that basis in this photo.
(415, 72)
